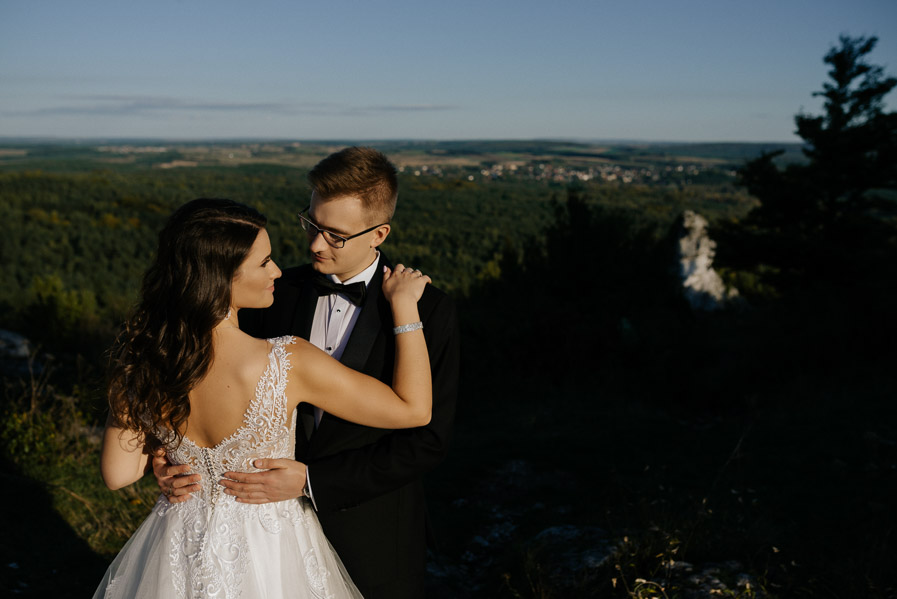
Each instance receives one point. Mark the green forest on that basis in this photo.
(611, 440)
(75, 242)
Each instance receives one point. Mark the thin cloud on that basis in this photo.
(411, 108)
(124, 105)
(394, 108)
(133, 105)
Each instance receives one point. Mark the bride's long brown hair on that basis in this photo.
(165, 348)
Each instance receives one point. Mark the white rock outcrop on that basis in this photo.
(702, 286)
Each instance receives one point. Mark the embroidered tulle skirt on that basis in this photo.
(191, 550)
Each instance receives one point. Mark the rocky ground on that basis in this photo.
(563, 559)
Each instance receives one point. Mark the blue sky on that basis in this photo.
(688, 70)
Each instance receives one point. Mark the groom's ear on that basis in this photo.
(380, 235)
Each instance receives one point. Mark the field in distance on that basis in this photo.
(433, 157)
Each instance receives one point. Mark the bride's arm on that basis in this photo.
(352, 396)
(123, 460)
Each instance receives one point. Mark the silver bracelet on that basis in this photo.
(407, 328)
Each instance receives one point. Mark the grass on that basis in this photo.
(61, 524)
(575, 489)
(785, 499)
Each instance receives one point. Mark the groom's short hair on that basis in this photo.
(359, 172)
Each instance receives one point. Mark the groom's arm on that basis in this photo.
(354, 476)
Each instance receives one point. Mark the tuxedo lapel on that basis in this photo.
(367, 327)
(303, 316)
(307, 418)
(358, 348)
(305, 311)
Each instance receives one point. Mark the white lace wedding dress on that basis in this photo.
(212, 546)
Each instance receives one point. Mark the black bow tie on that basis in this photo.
(354, 292)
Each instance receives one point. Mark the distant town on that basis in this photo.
(546, 161)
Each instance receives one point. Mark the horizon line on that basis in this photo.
(8, 139)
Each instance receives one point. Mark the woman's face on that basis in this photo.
(253, 285)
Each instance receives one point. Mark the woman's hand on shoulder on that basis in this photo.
(403, 283)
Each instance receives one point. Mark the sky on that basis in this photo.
(672, 70)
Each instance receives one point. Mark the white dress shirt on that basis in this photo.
(335, 317)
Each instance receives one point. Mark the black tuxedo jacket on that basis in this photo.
(367, 481)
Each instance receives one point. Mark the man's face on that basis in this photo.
(344, 216)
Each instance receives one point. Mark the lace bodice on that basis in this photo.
(267, 431)
(213, 547)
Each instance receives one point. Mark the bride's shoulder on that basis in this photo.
(294, 350)
(291, 344)
(275, 342)
(242, 355)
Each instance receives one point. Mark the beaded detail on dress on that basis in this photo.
(265, 432)
(212, 546)
(209, 557)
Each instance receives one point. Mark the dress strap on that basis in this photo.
(279, 366)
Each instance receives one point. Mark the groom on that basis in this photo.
(364, 483)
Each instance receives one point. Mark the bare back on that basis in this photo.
(219, 402)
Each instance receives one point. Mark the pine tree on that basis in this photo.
(842, 198)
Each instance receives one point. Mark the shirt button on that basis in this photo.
(329, 349)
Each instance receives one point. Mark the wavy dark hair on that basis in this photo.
(165, 348)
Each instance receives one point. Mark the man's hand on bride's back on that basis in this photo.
(403, 282)
(175, 481)
(282, 479)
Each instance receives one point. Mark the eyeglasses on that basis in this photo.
(333, 239)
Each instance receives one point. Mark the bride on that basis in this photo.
(184, 377)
